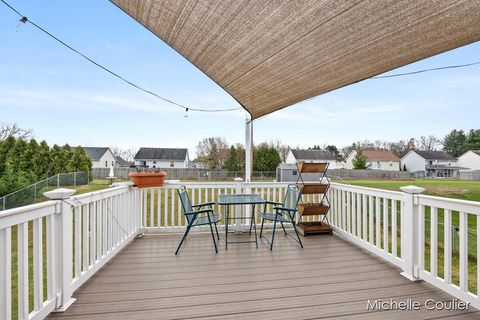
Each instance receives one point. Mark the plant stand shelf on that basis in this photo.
(310, 228)
(311, 209)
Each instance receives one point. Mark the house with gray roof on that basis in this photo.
(470, 160)
(123, 163)
(102, 157)
(162, 158)
(308, 155)
(434, 164)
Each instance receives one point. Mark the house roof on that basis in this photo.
(434, 155)
(380, 155)
(161, 154)
(303, 154)
(95, 153)
(476, 152)
(121, 161)
(269, 55)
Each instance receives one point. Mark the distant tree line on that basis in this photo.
(216, 154)
(23, 162)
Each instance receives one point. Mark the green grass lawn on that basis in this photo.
(458, 189)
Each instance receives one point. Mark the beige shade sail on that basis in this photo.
(271, 54)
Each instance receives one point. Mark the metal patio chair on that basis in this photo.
(196, 216)
(284, 213)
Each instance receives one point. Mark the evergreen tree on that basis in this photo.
(473, 140)
(359, 161)
(334, 150)
(266, 158)
(41, 161)
(231, 164)
(5, 147)
(455, 143)
(57, 161)
(79, 161)
(15, 159)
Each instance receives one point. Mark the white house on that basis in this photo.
(384, 160)
(470, 160)
(162, 158)
(102, 157)
(295, 155)
(431, 163)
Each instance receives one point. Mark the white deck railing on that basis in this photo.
(68, 240)
(79, 234)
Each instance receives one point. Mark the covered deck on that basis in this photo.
(329, 278)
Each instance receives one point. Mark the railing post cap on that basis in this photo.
(59, 194)
(238, 179)
(412, 189)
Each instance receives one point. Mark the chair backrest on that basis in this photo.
(292, 197)
(185, 200)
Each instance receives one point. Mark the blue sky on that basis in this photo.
(64, 99)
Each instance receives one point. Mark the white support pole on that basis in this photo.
(248, 149)
(410, 228)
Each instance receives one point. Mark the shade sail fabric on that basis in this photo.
(271, 54)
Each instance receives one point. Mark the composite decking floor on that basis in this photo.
(329, 278)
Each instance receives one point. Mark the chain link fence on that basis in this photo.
(34, 192)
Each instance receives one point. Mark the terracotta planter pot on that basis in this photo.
(148, 179)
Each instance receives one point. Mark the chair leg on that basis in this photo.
(273, 234)
(261, 228)
(183, 239)
(216, 230)
(296, 232)
(284, 231)
(213, 237)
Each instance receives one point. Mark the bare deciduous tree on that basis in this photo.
(126, 154)
(12, 129)
(429, 143)
(213, 152)
(282, 149)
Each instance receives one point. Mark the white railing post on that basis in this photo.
(63, 248)
(238, 209)
(410, 228)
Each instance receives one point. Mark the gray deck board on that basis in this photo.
(329, 278)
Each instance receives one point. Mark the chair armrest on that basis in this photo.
(284, 209)
(203, 204)
(273, 202)
(199, 211)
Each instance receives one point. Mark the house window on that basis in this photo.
(154, 161)
(378, 164)
(391, 164)
(294, 172)
(106, 164)
(430, 162)
(113, 163)
(172, 164)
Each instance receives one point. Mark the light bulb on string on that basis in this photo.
(23, 20)
(186, 113)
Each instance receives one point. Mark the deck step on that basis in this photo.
(312, 209)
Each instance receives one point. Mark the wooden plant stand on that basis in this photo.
(320, 208)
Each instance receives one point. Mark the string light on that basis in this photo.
(24, 20)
